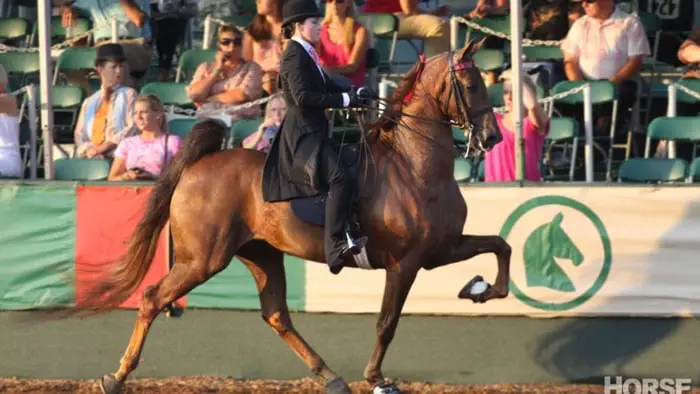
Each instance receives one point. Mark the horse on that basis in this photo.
(410, 207)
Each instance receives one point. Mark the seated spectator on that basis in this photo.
(262, 42)
(606, 44)
(145, 155)
(10, 158)
(106, 117)
(170, 19)
(416, 23)
(546, 19)
(133, 29)
(274, 114)
(229, 80)
(499, 163)
(344, 42)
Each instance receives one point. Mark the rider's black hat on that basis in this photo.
(298, 10)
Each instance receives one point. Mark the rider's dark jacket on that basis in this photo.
(290, 167)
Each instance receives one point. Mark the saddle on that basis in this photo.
(312, 210)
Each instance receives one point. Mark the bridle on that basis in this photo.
(464, 116)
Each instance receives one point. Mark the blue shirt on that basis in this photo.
(102, 12)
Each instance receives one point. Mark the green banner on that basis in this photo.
(38, 243)
(234, 288)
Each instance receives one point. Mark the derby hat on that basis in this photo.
(299, 10)
(110, 52)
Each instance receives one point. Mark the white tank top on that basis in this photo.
(10, 159)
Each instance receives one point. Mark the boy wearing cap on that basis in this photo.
(106, 117)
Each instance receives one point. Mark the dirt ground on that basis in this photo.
(204, 384)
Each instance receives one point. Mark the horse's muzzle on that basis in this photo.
(490, 139)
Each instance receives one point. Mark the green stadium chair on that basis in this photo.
(543, 52)
(489, 59)
(181, 126)
(683, 97)
(653, 170)
(384, 28)
(75, 59)
(601, 92)
(463, 170)
(191, 59)
(81, 169)
(694, 171)
(21, 67)
(170, 93)
(562, 131)
(67, 101)
(13, 30)
(241, 129)
(679, 128)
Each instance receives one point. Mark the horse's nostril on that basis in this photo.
(492, 139)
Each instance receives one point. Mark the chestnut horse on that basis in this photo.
(412, 212)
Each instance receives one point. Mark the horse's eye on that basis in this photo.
(471, 88)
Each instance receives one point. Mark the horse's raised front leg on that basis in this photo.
(267, 266)
(470, 246)
(396, 289)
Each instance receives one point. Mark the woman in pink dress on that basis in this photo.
(344, 42)
(145, 155)
(499, 163)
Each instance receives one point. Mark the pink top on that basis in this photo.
(267, 54)
(138, 152)
(335, 55)
(382, 6)
(500, 161)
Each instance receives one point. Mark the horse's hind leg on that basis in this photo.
(267, 266)
(187, 273)
(470, 246)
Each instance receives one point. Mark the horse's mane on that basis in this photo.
(392, 112)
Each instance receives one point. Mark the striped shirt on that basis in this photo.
(119, 122)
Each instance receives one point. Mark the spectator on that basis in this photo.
(606, 44)
(416, 23)
(500, 161)
(546, 19)
(170, 18)
(262, 42)
(274, 114)
(144, 156)
(133, 29)
(229, 80)
(344, 42)
(10, 159)
(106, 117)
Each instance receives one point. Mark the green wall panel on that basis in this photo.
(234, 288)
(37, 246)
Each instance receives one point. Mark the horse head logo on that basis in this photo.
(547, 242)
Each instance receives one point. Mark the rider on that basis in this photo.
(303, 160)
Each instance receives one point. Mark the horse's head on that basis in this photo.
(467, 99)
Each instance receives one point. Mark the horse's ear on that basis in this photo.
(470, 49)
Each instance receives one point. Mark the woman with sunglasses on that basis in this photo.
(303, 160)
(229, 80)
(499, 163)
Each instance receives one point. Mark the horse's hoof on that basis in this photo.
(110, 385)
(468, 292)
(386, 388)
(337, 386)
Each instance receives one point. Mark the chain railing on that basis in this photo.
(223, 111)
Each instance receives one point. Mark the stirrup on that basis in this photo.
(355, 245)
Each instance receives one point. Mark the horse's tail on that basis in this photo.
(115, 287)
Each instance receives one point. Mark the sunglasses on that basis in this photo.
(228, 41)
